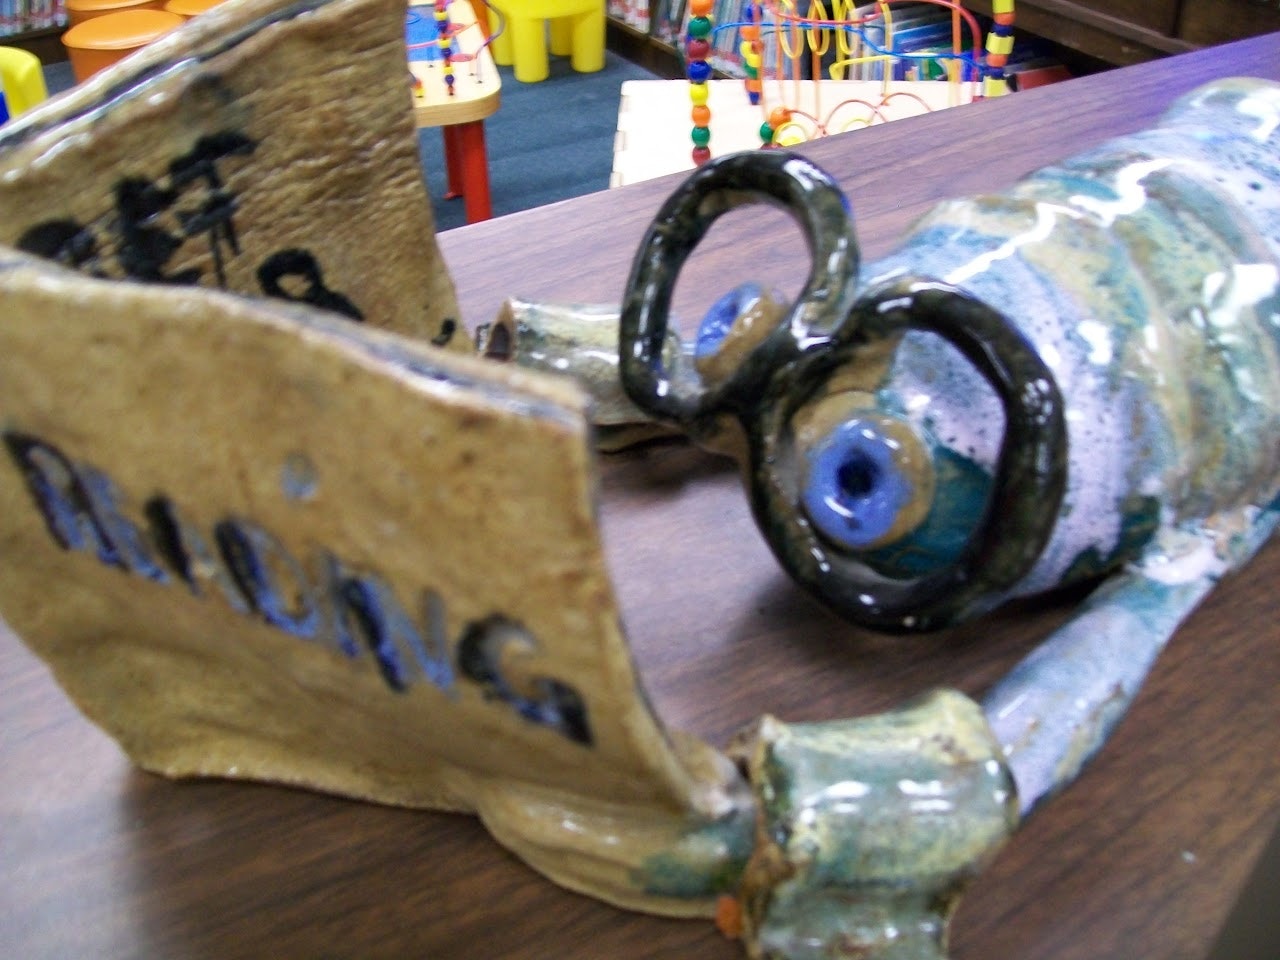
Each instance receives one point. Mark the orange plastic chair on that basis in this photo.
(190, 8)
(79, 11)
(97, 43)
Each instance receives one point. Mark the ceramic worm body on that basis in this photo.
(1077, 377)
(1144, 275)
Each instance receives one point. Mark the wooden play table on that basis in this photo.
(460, 115)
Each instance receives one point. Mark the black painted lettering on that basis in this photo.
(448, 329)
(146, 244)
(66, 242)
(213, 214)
(300, 266)
(152, 219)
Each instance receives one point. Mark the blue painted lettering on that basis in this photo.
(352, 610)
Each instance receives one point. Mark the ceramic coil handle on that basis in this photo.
(1027, 486)
(821, 334)
(774, 177)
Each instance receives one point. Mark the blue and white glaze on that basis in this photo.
(1134, 292)
(1078, 378)
(1145, 274)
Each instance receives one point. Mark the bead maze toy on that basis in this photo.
(439, 40)
(783, 54)
(455, 87)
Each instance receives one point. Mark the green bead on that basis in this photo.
(701, 136)
(699, 27)
(766, 133)
(752, 72)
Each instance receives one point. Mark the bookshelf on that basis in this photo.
(34, 25)
(1114, 32)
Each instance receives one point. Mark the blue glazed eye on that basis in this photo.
(855, 491)
(719, 320)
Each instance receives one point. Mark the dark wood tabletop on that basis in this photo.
(1141, 858)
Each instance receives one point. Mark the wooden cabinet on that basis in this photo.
(1130, 31)
(1158, 15)
(1204, 23)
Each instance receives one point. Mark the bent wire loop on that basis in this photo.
(824, 330)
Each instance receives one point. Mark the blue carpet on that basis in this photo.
(548, 141)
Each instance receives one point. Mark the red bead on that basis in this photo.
(698, 49)
(701, 155)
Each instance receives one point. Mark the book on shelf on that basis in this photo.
(24, 16)
(634, 13)
(914, 42)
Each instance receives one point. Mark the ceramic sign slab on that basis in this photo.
(259, 542)
(264, 147)
(267, 540)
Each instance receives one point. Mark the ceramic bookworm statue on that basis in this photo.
(250, 483)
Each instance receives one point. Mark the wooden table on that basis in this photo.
(460, 114)
(1142, 858)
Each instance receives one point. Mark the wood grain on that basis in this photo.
(1141, 858)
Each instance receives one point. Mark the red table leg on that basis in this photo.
(468, 168)
(455, 174)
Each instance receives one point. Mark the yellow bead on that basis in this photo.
(790, 135)
(698, 92)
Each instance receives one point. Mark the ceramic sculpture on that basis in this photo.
(232, 575)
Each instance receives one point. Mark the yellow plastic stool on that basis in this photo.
(97, 43)
(21, 79)
(577, 30)
(79, 11)
(190, 8)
